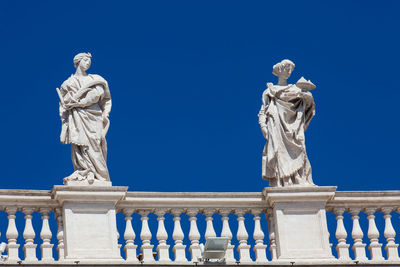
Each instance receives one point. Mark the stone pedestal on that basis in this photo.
(299, 219)
(89, 219)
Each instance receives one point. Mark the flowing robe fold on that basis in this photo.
(286, 113)
(84, 114)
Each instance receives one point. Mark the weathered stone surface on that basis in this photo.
(85, 104)
(285, 114)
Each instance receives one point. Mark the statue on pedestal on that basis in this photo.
(85, 104)
(285, 114)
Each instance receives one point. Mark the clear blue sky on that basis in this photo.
(186, 79)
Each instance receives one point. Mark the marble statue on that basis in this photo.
(285, 114)
(85, 104)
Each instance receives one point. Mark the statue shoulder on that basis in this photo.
(269, 85)
(294, 87)
(68, 81)
(97, 77)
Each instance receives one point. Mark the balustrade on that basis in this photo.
(162, 236)
(194, 204)
(242, 236)
(390, 234)
(342, 248)
(129, 236)
(12, 235)
(373, 235)
(363, 220)
(31, 203)
(226, 232)
(357, 235)
(259, 248)
(194, 235)
(45, 234)
(179, 248)
(198, 203)
(372, 204)
(145, 235)
(29, 235)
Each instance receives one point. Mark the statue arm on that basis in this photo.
(309, 107)
(262, 120)
(308, 97)
(262, 114)
(63, 113)
(64, 116)
(62, 109)
(107, 108)
(92, 97)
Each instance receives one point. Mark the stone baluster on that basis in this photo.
(226, 232)
(29, 236)
(357, 235)
(60, 234)
(177, 235)
(342, 247)
(328, 233)
(210, 232)
(118, 235)
(242, 236)
(129, 236)
(271, 231)
(390, 234)
(12, 235)
(258, 235)
(194, 235)
(162, 236)
(145, 235)
(373, 235)
(45, 235)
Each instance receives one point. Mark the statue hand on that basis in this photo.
(68, 105)
(264, 131)
(72, 105)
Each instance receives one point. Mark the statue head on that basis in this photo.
(283, 69)
(83, 60)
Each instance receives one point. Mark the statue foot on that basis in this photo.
(85, 178)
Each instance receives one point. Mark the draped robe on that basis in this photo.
(84, 114)
(286, 113)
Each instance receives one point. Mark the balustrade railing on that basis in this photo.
(161, 228)
(27, 202)
(366, 245)
(226, 205)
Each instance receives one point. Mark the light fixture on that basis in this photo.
(214, 249)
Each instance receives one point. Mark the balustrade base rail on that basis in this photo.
(277, 263)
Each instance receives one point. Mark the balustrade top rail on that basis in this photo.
(349, 199)
(146, 200)
(192, 200)
(27, 198)
(346, 199)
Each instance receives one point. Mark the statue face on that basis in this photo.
(85, 63)
(286, 71)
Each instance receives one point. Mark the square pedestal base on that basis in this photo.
(299, 221)
(89, 221)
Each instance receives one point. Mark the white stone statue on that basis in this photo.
(85, 104)
(285, 114)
